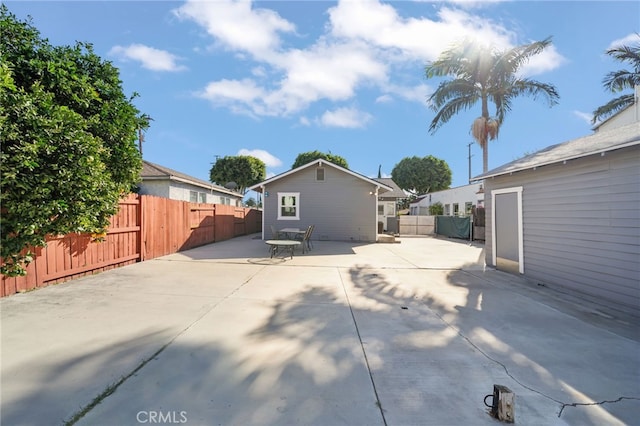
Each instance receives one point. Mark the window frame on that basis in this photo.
(296, 205)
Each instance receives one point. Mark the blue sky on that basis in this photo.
(274, 79)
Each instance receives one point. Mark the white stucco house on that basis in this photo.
(456, 201)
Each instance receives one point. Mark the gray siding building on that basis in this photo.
(343, 205)
(569, 215)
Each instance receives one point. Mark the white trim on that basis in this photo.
(376, 211)
(518, 191)
(297, 205)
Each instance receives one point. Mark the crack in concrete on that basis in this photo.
(577, 404)
(563, 405)
(364, 352)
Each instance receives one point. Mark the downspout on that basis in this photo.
(376, 212)
(263, 201)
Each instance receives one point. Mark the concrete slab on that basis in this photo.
(415, 332)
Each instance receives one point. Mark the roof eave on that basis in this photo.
(555, 161)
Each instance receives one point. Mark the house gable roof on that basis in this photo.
(597, 143)
(152, 171)
(396, 191)
(319, 162)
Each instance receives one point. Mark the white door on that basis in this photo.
(506, 220)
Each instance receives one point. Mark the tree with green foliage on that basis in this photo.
(485, 74)
(421, 175)
(242, 170)
(307, 157)
(617, 81)
(436, 209)
(68, 141)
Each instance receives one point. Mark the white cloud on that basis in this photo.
(364, 43)
(150, 58)
(345, 117)
(625, 41)
(585, 116)
(417, 38)
(324, 71)
(384, 99)
(304, 121)
(418, 94)
(269, 160)
(238, 95)
(549, 59)
(237, 25)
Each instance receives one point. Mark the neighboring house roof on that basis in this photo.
(318, 163)
(597, 143)
(620, 113)
(396, 191)
(611, 117)
(420, 198)
(152, 171)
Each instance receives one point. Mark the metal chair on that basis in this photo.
(275, 234)
(305, 238)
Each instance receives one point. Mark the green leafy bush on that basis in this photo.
(68, 141)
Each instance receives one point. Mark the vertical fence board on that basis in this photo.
(145, 227)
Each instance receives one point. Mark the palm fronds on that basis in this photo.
(617, 81)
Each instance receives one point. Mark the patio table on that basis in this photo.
(276, 245)
(292, 232)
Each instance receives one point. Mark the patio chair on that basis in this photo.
(305, 238)
(309, 244)
(275, 234)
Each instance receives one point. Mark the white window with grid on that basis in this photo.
(288, 206)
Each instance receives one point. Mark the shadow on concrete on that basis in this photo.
(549, 357)
(403, 344)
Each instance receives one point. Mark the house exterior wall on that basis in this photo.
(182, 191)
(159, 188)
(340, 207)
(460, 195)
(581, 224)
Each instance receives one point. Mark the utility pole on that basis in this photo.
(140, 140)
(469, 146)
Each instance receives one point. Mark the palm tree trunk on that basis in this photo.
(485, 156)
(485, 145)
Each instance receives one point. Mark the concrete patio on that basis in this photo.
(412, 333)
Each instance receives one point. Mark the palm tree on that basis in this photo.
(617, 81)
(483, 73)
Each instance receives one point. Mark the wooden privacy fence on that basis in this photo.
(145, 227)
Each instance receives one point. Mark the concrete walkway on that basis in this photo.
(415, 333)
